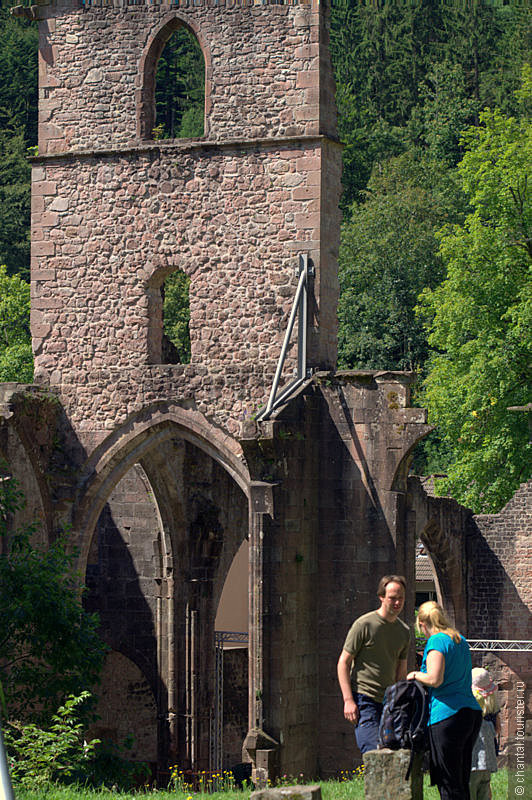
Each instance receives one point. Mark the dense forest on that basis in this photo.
(435, 260)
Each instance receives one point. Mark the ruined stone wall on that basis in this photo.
(367, 430)
(336, 457)
(126, 709)
(484, 572)
(262, 70)
(235, 705)
(443, 526)
(114, 227)
(124, 572)
(113, 214)
(500, 604)
(286, 455)
(506, 536)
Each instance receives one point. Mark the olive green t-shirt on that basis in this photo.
(376, 646)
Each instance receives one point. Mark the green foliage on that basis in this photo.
(18, 131)
(57, 753)
(480, 318)
(49, 644)
(16, 359)
(176, 312)
(349, 786)
(180, 87)
(110, 767)
(18, 60)
(387, 56)
(388, 254)
(446, 109)
(14, 203)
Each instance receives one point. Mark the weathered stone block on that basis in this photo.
(385, 772)
(311, 792)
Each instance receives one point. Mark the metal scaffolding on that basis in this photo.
(221, 638)
(501, 645)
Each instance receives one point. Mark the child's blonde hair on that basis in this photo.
(433, 615)
(485, 691)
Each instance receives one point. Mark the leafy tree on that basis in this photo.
(57, 754)
(180, 88)
(480, 318)
(388, 254)
(49, 645)
(18, 131)
(176, 312)
(16, 359)
(18, 62)
(15, 175)
(446, 109)
(382, 54)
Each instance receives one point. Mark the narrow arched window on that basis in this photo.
(169, 320)
(180, 88)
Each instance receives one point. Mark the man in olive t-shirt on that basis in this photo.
(373, 657)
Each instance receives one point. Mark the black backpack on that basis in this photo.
(405, 714)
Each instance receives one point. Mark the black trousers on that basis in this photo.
(451, 750)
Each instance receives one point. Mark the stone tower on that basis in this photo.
(161, 470)
(114, 213)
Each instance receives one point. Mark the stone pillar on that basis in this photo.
(258, 747)
(385, 772)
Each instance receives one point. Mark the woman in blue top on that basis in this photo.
(455, 716)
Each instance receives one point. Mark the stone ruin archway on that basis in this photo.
(442, 524)
(234, 210)
(169, 516)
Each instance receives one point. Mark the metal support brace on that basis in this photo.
(299, 309)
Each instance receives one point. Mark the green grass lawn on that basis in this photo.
(331, 790)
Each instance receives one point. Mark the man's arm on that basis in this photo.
(400, 671)
(351, 712)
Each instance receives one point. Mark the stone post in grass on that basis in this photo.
(384, 775)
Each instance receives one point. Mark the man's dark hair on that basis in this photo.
(386, 579)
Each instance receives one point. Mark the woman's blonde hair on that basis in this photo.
(433, 615)
(489, 704)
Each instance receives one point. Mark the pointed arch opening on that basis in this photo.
(174, 84)
(168, 512)
(232, 662)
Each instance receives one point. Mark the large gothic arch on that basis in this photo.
(132, 442)
(200, 491)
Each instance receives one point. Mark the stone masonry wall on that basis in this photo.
(484, 575)
(367, 432)
(112, 228)
(114, 214)
(126, 709)
(235, 705)
(336, 458)
(500, 601)
(262, 64)
(506, 536)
